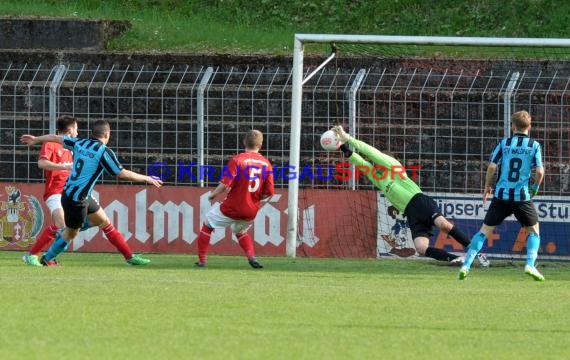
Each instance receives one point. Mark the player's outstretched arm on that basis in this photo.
(33, 140)
(133, 176)
(45, 164)
(377, 157)
(217, 191)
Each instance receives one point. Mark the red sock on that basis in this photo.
(246, 244)
(204, 243)
(45, 238)
(118, 241)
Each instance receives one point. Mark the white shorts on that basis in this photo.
(216, 219)
(53, 202)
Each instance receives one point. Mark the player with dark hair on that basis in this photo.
(513, 158)
(248, 181)
(406, 196)
(56, 163)
(90, 158)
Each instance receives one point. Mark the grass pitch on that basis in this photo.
(96, 307)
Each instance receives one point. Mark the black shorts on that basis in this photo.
(499, 210)
(75, 212)
(421, 212)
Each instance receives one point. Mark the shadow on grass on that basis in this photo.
(381, 266)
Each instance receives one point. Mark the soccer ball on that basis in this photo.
(330, 141)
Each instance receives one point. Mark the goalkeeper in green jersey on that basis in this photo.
(406, 196)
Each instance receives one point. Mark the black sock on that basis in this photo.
(439, 254)
(346, 150)
(459, 236)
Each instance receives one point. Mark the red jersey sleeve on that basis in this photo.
(46, 152)
(55, 179)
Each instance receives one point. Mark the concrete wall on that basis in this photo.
(46, 33)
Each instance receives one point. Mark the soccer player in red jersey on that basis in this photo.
(56, 161)
(248, 180)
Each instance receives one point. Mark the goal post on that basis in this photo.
(298, 71)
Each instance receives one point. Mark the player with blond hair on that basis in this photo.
(513, 158)
(248, 182)
(56, 162)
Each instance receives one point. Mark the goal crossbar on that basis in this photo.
(433, 40)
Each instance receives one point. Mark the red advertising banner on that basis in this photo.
(168, 220)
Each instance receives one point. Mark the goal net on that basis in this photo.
(440, 105)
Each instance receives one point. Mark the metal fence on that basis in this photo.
(445, 119)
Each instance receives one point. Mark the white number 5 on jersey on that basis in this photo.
(254, 173)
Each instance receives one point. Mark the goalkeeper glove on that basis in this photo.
(346, 150)
(342, 135)
(533, 190)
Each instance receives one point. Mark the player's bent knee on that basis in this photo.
(70, 234)
(533, 229)
(100, 223)
(443, 224)
(99, 218)
(487, 230)
(421, 244)
(59, 224)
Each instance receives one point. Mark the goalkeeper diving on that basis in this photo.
(406, 196)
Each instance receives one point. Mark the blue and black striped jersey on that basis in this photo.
(90, 158)
(516, 157)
